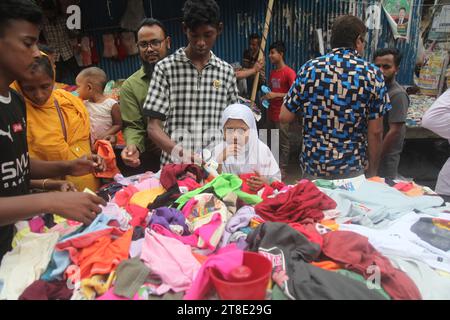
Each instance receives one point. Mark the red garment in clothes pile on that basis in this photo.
(304, 202)
(171, 173)
(245, 187)
(309, 231)
(43, 290)
(123, 197)
(98, 252)
(357, 254)
(189, 183)
(137, 213)
(268, 190)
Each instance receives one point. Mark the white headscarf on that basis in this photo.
(257, 156)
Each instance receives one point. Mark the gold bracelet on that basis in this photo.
(43, 184)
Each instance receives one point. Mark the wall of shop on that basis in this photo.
(294, 21)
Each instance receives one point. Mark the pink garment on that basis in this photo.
(226, 259)
(147, 184)
(37, 225)
(404, 186)
(170, 259)
(146, 175)
(191, 240)
(117, 214)
(138, 214)
(64, 229)
(188, 207)
(189, 183)
(123, 197)
(109, 295)
(206, 231)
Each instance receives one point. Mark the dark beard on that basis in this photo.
(148, 68)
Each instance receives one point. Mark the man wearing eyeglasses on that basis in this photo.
(141, 154)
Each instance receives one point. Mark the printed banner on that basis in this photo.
(399, 13)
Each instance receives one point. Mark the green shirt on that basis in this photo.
(133, 93)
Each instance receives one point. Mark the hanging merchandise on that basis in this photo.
(133, 15)
(86, 55)
(94, 52)
(399, 13)
(109, 47)
(121, 49)
(76, 51)
(129, 42)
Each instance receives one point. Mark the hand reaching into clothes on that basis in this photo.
(78, 206)
(60, 185)
(257, 182)
(86, 165)
(130, 155)
(66, 186)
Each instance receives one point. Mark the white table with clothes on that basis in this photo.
(136, 251)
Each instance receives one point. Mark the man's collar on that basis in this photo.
(180, 55)
(142, 73)
(344, 50)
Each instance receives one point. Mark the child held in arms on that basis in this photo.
(104, 112)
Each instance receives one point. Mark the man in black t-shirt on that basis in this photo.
(250, 59)
(19, 32)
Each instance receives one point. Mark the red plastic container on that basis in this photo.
(252, 288)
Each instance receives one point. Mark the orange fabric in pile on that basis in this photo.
(328, 265)
(105, 150)
(104, 255)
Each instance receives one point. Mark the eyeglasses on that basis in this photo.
(154, 44)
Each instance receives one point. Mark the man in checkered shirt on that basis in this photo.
(190, 89)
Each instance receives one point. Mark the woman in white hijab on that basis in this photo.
(242, 152)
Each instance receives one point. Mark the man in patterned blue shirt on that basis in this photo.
(342, 99)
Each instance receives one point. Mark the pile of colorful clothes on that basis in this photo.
(161, 234)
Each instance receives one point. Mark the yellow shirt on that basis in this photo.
(45, 134)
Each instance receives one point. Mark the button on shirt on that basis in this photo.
(337, 94)
(190, 102)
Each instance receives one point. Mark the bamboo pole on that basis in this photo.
(263, 46)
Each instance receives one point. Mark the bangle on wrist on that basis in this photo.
(43, 184)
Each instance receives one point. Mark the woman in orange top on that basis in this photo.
(58, 122)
